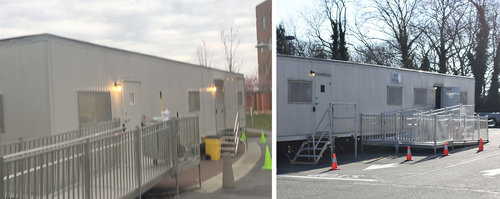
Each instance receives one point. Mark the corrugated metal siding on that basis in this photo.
(41, 75)
(365, 85)
(24, 86)
(84, 67)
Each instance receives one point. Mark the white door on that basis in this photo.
(132, 100)
(220, 116)
(450, 96)
(323, 96)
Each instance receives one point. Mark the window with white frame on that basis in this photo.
(2, 126)
(463, 98)
(269, 41)
(420, 96)
(264, 22)
(94, 107)
(194, 101)
(299, 91)
(240, 98)
(131, 98)
(394, 95)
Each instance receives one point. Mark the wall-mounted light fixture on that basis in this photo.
(312, 73)
(435, 87)
(212, 89)
(118, 87)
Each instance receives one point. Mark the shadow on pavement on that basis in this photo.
(372, 154)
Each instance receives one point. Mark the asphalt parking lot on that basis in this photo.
(380, 173)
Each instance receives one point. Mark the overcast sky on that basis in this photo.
(171, 29)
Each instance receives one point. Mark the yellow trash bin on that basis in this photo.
(212, 147)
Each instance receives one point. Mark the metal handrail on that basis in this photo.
(236, 129)
(112, 164)
(414, 109)
(36, 142)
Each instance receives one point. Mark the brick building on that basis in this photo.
(261, 99)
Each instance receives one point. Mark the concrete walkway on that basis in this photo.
(266, 132)
(257, 183)
(243, 164)
(240, 169)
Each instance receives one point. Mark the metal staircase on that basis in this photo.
(311, 150)
(230, 140)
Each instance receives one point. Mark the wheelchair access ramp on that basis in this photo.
(427, 129)
(113, 164)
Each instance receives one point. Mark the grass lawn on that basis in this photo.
(261, 121)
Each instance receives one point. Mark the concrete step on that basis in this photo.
(228, 144)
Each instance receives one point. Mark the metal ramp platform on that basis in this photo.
(113, 164)
(426, 129)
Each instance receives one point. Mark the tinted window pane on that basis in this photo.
(299, 91)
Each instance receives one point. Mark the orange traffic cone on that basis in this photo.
(334, 163)
(408, 154)
(480, 144)
(445, 152)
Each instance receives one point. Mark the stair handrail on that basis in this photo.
(236, 130)
(316, 128)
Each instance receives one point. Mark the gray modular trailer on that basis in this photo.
(50, 84)
(306, 87)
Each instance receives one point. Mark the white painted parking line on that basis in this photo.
(324, 177)
(492, 172)
(474, 159)
(381, 166)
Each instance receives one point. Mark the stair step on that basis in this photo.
(311, 148)
(227, 149)
(307, 156)
(303, 163)
(321, 141)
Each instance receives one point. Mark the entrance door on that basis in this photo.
(220, 116)
(450, 96)
(131, 97)
(437, 94)
(322, 99)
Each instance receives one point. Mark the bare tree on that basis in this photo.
(204, 54)
(464, 42)
(493, 100)
(332, 13)
(231, 41)
(479, 58)
(399, 17)
(443, 24)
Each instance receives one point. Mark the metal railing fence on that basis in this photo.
(409, 111)
(108, 165)
(37, 142)
(189, 142)
(420, 129)
(455, 110)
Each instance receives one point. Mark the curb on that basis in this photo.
(240, 168)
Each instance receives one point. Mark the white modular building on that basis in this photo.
(307, 86)
(51, 84)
